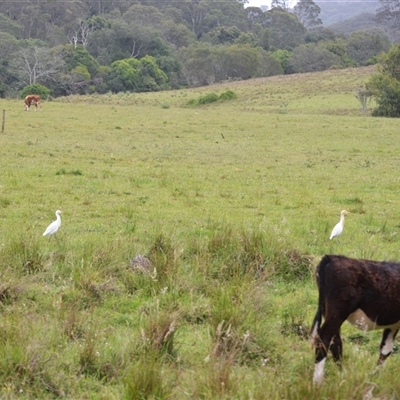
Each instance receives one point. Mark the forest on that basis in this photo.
(96, 46)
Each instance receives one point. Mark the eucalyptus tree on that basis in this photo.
(255, 16)
(177, 34)
(286, 30)
(308, 13)
(282, 4)
(238, 61)
(388, 15)
(197, 64)
(36, 64)
(200, 16)
(38, 19)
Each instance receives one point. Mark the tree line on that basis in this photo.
(87, 46)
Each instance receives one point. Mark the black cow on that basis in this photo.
(365, 293)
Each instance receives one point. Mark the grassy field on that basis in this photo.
(232, 202)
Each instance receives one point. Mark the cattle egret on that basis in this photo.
(338, 229)
(54, 226)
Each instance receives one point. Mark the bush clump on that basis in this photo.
(212, 98)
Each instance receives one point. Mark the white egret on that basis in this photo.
(338, 229)
(54, 226)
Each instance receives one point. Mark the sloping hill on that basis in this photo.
(334, 11)
(360, 22)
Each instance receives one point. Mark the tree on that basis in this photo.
(286, 30)
(255, 15)
(179, 35)
(363, 47)
(282, 57)
(270, 66)
(36, 64)
(197, 64)
(10, 27)
(153, 78)
(124, 75)
(339, 48)
(385, 85)
(222, 34)
(320, 34)
(386, 92)
(77, 56)
(390, 63)
(8, 45)
(136, 75)
(81, 33)
(388, 15)
(281, 4)
(201, 16)
(238, 61)
(308, 13)
(75, 81)
(312, 58)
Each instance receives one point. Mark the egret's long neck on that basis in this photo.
(342, 219)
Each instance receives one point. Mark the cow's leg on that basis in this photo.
(330, 330)
(336, 348)
(387, 343)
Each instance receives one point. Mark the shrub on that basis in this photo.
(208, 98)
(385, 85)
(387, 96)
(35, 88)
(228, 95)
(212, 98)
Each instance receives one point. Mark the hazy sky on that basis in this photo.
(258, 3)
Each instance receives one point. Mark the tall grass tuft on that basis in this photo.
(144, 379)
(24, 254)
(164, 257)
(158, 333)
(216, 381)
(226, 253)
(26, 356)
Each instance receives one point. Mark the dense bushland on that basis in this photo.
(88, 46)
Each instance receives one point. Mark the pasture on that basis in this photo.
(233, 202)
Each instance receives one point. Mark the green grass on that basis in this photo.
(233, 202)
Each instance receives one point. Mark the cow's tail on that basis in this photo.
(319, 275)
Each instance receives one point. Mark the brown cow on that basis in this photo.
(32, 99)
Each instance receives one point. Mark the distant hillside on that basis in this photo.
(361, 22)
(335, 11)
